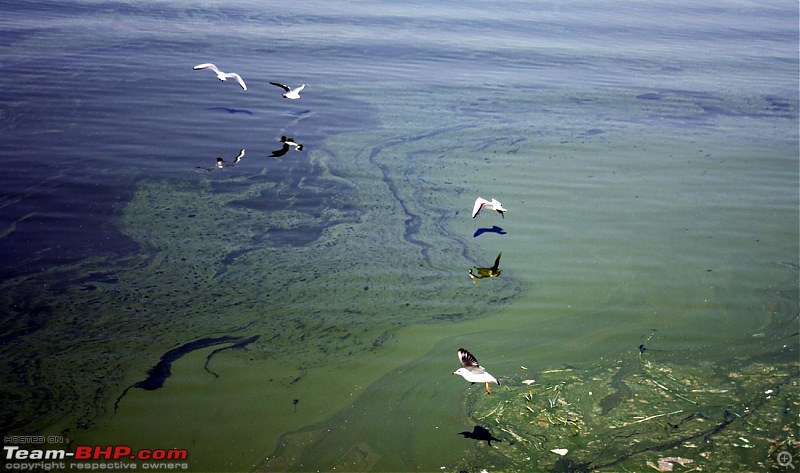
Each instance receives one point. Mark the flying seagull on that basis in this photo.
(221, 164)
(287, 143)
(223, 76)
(292, 94)
(492, 272)
(480, 203)
(472, 371)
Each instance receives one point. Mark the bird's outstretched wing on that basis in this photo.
(496, 266)
(207, 65)
(280, 152)
(284, 87)
(238, 79)
(239, 156)
(479, 203)
(467, 359)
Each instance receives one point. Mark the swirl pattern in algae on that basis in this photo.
(317, 260)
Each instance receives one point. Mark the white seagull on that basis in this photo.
(223, 76)
(292, 94)
(221, 164)
(480, 203)
(472, 371)
(287, 142)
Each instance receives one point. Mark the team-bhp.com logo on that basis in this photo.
(85, 457)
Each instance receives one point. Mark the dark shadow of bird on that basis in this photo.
(287, 145)
(480, 434)
(232, 110)
(494, 229)
(481, 273)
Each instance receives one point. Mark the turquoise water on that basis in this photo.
(647, 156)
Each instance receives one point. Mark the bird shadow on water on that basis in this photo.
(493, 229)
(232, 111)
(480, 434)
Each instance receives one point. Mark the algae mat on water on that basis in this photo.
(289, 266)
(643, 411)
(304, 263)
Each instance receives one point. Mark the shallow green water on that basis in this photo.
(360, 299)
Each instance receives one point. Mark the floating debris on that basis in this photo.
(667, 463)
(698, 417)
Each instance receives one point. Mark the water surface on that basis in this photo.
(648, 157)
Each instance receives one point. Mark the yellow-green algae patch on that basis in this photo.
(638, 413)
